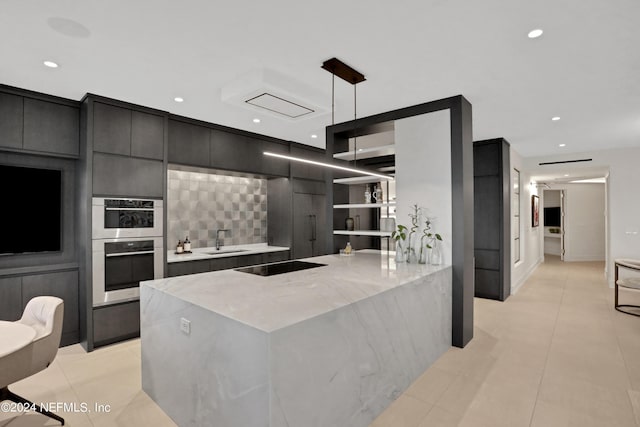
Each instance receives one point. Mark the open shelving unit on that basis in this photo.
(377, 154)
(359, 180)
(375, 233)
(367, 153)
(364, 205)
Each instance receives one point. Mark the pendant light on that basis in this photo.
(352, 76)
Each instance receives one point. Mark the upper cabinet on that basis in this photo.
(127, 148)
(195, 144)
(147, 135)
(44, 124)
(11, 116)
(188, 144)
(303, 170)
(118, 130)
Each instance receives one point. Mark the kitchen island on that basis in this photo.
(327, 346)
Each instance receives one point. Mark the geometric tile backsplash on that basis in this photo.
(200, 203)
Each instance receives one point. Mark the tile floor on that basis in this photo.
(554, 354)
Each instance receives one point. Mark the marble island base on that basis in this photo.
(341, 367)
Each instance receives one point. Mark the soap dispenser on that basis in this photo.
(179, 247)
(347, 249)
(187, 244)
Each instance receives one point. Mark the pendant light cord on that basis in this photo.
(355, 115)
(333, 99)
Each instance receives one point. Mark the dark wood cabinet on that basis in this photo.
(224, 263)
(270, 165)
(234, 152)
(117, 322)
(11, 116)
(188, 144)
(51, 127)
(246, 260)
(492, 219)
(275, 256)
(127, 132)
(188, 267)
(62, 284)
(111, 129)
(127, 176)
(195, 144)
(303, 170)
(309, 225)
(10, 298)
(242, 153)
(39, 124)
(147, 135)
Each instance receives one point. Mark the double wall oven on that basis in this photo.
(127, 247)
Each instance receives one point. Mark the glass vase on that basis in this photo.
(412, 257)
(435, 255)
(400, 256)
(423, 255)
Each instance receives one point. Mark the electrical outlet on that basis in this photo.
(185, 326)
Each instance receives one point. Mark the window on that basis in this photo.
(515, 212)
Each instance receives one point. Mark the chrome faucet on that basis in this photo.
(218, 238)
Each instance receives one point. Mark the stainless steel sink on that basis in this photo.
(225, 251)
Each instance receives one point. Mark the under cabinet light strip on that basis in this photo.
(328, 165)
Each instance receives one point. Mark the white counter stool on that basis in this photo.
(628, 283)
(29, 345)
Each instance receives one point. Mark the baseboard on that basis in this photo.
(585, 258)
(515, 287)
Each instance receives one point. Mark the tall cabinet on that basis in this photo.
(492, 219)
(309, 196)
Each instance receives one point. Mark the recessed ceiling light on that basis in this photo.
(562, 145)
(178, 99)
(256, 120)
(555, 119)
(314, 136)
(566, 174)
(50, 64)
(534, 34)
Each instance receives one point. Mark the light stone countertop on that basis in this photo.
(225, 251)
(273, 302)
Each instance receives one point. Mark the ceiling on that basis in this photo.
(585, 68)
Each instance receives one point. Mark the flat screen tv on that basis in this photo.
(31, 210)
(552, 217)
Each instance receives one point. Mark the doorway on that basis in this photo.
(553, 219)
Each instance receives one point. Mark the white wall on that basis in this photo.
(623, 201)
(530, 237)
(423, 172)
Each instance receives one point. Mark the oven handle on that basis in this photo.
(129, 209)
(129, 253)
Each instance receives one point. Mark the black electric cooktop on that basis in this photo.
(279, 268)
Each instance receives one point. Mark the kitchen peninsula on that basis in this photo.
(330, 345)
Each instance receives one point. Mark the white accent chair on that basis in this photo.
(43, 314)
(628, 283)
